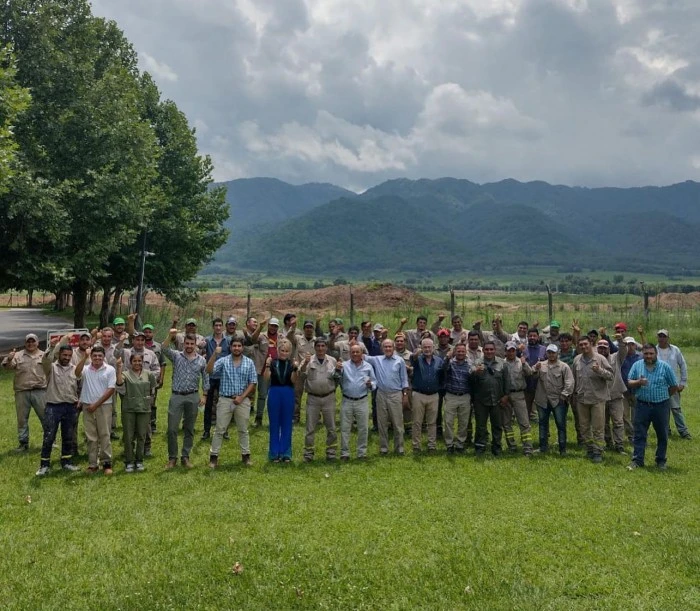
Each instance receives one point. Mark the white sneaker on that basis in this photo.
(129, 468)
(140, 467)
(70, 467)
(42, 471)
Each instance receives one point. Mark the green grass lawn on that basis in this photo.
(432, 532)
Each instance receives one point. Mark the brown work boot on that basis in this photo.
(172, 463)
(186, 462)
(213, 461)
(246, 460)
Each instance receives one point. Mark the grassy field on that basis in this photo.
(432, 532)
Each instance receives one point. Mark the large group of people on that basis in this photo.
(466, 387)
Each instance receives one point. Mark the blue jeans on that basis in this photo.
(559, 419)
(55, 415)
(280, 411)
(658, 415)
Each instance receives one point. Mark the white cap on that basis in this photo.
(629, 340)
(273, 321)
(552, 348)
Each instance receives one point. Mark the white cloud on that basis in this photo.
(356, 91)
(159, 70)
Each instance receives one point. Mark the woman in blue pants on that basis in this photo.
(282, 373)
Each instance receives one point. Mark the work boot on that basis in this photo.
(246, 460)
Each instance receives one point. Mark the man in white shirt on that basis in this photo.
(99, 381)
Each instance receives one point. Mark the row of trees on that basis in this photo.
(92, 160)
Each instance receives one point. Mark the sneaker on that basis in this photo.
(687, 436)
(43, 470)
(70, 467)
(286, 460)
(139, 467)
(22, 447)
(621, 451)
(632, 466)
(129, 468)
(186, 462)
(661, 466)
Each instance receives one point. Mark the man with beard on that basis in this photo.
(340, 349)
(61, 404)
(238, 380)
(257, 348)
(534, 352)
(155, 346)
(211, 387)
(628, 356)
(401, 350)
(415, 336)
(79, 352)
(188, 370)
(567, 354)
(653, 382)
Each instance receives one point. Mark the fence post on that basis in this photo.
(452, 303)
(352, 307)
(645, 292)
(550, 305)
(247, 306)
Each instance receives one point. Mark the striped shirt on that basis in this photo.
(186, 372)
(659, 379)
(457, 376)
(235, 379)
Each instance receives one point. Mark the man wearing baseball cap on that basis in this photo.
(190, 329)
(29, 385)
(672, 355)
(303, 346)
(614, 407)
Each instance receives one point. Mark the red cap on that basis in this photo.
(443, 332)
(620, 326)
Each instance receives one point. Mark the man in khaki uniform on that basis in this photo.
(555, 385)
(405, 354)
(340, 349)
(592, 372)
(614, 408)
(518, 371)
(29, 386)
(303, 346)
(320, 380)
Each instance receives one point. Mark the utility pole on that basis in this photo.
(139, 291)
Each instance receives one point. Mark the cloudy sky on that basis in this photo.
(580, 92)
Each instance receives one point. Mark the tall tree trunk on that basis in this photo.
(116, 300)
(80, 292)
(104, 308)
(30, 297)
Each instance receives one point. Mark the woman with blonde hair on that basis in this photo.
(282, 373)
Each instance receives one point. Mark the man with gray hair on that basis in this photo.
(392, 396)
(427, 381)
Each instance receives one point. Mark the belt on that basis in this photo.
(457, 394)
(354, 398)
(311, 394)
(512, 390)
(420, 392)
(185, 392)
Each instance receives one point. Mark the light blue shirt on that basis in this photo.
(391, 372)
(354, 379)
(234, 380)
(659, 379)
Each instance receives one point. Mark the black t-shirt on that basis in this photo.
(281, 373)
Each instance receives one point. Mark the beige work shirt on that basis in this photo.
(591, 386)
(555, 381)
(62, 384)
(29, 373)
(320, 378)
(517, 372)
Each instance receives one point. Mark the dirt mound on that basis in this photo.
(675, 301)
(367, 297)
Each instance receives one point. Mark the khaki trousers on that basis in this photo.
(459, 407)
(580, 437)
(518, 406)
(358, 410)
(614, 413)
(25, 401)
(425, 407)
(98, 425)
(592, 419)
(390, 410)
(226, 410)
(325, 408)
(628, 401)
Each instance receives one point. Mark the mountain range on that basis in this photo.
(455, 225)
